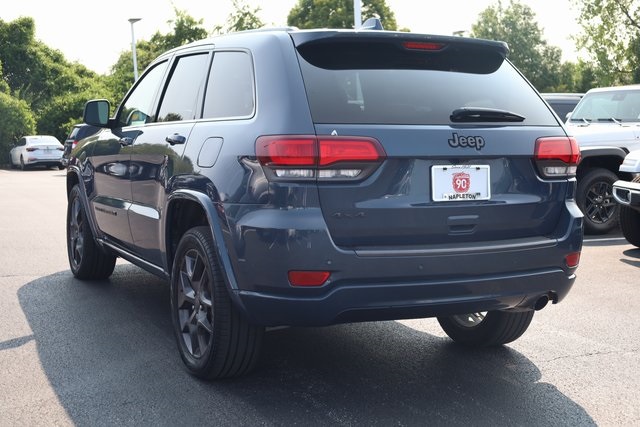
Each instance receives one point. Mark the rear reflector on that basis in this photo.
(572, 260)
(308, 278)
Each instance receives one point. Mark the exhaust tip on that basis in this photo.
(541, 303)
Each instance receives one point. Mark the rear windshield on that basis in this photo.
(609, 106)
(417, 92)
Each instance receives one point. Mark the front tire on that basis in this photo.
(214, 339)
(595, 200)
(86, 258)
(488, 329)
(630, 222)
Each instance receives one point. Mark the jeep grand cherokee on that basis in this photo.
(292, 177)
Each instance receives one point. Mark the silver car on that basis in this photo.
(37, 150)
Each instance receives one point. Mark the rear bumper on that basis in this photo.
(380, 283)
(367, 302)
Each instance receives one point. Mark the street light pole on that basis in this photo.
(357, 14)
(133, 49)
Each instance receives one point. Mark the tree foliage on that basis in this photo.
(516, 24)
(185, 29)
(338, 14)
(611, 35)
(17, 121)
(244, 17)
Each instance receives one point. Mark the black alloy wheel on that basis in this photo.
(595, 199)
(86, 259)
(214, 339)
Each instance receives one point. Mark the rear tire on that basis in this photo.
(22, 165)
(595, 200)
(485, 330)
(214, 339)
(86, 259)
(630, 222)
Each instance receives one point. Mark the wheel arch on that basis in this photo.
(187, 209)
(609, 158)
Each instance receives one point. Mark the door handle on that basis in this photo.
(126, 141)
(175, 139)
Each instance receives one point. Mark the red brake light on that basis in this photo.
(328, 158)
(564, 149)
(308, 278)
(286, 151)
(349, 150)
(74, 143)
(557, 157)
(423, 46)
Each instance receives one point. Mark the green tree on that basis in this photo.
(185, 29)
(338, 14)
(17, 121)
(244, 17)
(611, 35)
(516, 24)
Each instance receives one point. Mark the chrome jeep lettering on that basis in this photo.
(476, 142)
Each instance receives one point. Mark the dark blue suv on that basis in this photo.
(289, 177)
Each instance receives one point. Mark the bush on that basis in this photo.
(17, 121)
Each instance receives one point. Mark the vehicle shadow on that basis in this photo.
(110, 357)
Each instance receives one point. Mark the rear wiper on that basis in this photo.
(479, 114)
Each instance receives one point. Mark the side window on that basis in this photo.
(22, 142)
(230, 88)
(137, 107)
(180, 98)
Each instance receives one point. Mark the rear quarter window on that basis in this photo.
(417, 88)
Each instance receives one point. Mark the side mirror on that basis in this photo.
(96, 113)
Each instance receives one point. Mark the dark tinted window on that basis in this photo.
(181, 96)
(138, 105)
(230, 89)
(371, 92)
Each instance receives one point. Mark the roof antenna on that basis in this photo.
(372, 24)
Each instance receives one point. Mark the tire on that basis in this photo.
(595, 200)
(86, 259)
(214, 339)
(630, 222)
(22, 165)
(485, 330)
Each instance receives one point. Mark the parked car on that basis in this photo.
(36, 150)
(627, 193)
(605, 122)
(78, 132)
(562, 103)
(313, 177)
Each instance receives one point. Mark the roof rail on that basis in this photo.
(372, 24)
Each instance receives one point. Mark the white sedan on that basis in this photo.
(43, 150)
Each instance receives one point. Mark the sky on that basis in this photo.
(96, 33)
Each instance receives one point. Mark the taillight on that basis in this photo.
(557, 157)
(30, 149)
(60, 148)
(74, 143)
(323, 158)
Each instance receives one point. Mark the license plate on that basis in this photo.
(451, 183)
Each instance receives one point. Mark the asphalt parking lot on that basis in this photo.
(73, 353)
